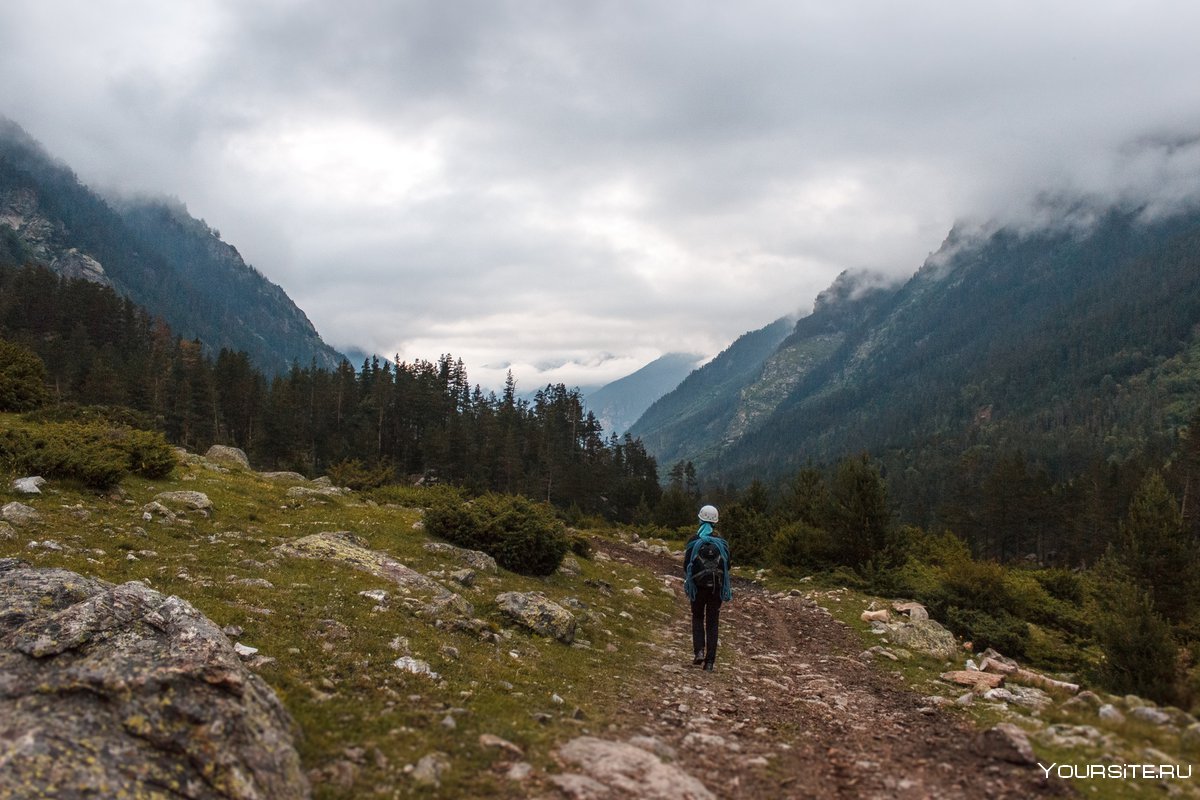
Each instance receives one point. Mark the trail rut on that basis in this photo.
(791, 711)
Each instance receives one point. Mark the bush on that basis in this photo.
(581, 545)
(521, 535)
(800, 546)
(22, 378)
(1140, 655)
(999, 630)
(353, 475)
(95, 455)
(112, 416)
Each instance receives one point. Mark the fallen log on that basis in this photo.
(1027, 677)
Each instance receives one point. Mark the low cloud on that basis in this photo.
(540, 184)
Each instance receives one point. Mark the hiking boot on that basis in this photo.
(699, 659)
(708, 666)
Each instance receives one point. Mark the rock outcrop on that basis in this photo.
(120, 691)
(346, 548)
(475, 559)
(534, 611)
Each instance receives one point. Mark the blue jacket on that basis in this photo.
(689, 550)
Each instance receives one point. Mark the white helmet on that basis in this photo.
(708, 514)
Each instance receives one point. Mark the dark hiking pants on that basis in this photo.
(706, 613)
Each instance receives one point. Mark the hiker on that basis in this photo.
(706, 581)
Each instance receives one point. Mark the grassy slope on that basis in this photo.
(344, 692)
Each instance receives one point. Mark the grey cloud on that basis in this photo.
(610, 177)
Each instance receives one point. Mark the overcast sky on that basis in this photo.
(575, 188)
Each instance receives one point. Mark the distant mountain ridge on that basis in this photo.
(152, 251)
(1066, 342)
(617, 405)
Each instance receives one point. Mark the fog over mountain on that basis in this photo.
(572, 191)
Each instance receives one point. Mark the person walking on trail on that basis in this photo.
(706, 581)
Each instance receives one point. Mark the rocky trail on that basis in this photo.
(792, 712)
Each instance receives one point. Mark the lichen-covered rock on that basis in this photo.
(229, 456)
(19, 514)
(925, 636)
(346, 548)
(475, 559)
(534, 611)
(119, 691)
(301, 492)
(628, 770)
(295, 477)
(188, 501)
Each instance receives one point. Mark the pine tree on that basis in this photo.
(1157, 553)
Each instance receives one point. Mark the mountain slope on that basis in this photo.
(1068, 343)
(153, 252)
(619, 404)
(687, 420)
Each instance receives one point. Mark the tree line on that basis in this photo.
(385, 421)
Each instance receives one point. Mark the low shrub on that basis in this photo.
(96, 455)
(521, 535)
(580, 545)
(111, 416)
(800, 546)
(415, 496)
(352, 474)
(999, 630)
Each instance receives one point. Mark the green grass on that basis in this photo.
(334, 651)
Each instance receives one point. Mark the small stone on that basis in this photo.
(490, 740)
(378, 595)
(1111, 714)
(430, 769)
(244, 650)
(1150, 715)
(519, 771)
(415, 666)
(194, 501)
(463, 577)
(448, 722)
(19, 514)
(31, 485)
(232, 631)
(1007, 742)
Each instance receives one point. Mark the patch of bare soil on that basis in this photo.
(791, 711)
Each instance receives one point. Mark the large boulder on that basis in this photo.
(534, 611)
(925, 636)
(119, 691)
(228, 456)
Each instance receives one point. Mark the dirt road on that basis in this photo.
(792, 712)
